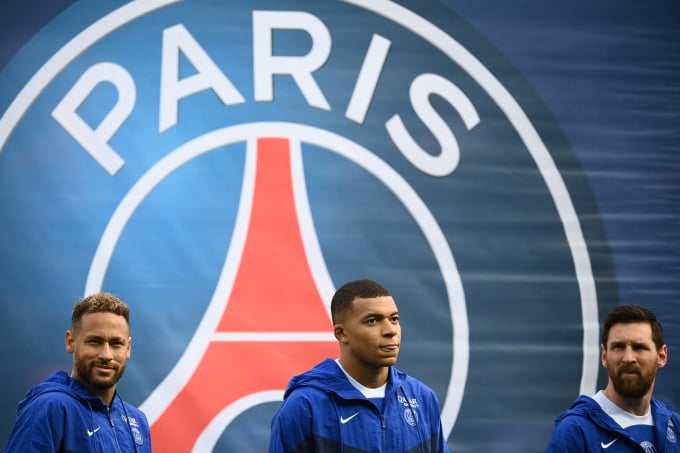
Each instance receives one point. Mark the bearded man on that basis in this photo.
(624, 417)
(83, 412)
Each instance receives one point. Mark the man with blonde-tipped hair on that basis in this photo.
(83, 411)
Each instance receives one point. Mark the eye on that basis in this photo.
(395, 319)
(371, 321)
(118, 343)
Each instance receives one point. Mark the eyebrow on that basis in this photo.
(379, 315)
(633, 343)
(101, 337)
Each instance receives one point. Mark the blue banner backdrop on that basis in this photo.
(509, 171)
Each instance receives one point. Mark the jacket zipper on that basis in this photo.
(113, 426)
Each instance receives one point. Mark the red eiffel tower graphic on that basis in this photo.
(259, 342)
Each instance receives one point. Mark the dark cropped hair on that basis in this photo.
(99, 303)
(356, 289)
(627, 314)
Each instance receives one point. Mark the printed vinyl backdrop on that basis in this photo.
(508, 171)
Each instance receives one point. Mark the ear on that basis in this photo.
(339, 332)
(129, 347)
(663, 356)
(70, 340)
(603, 356)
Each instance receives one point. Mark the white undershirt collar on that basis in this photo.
(366, 391)
(623, 418)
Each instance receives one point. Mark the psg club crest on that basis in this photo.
(224, 166)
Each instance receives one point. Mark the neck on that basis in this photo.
(371, 377)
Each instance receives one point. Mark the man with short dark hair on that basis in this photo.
(359, 402)
(83, 412)
(624, 417)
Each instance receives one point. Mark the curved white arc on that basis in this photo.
(558, 190)
(441, 251)
(211, 434)
(458, 306)
(317, 264)
(161, 397)
(435, 238)
(179, 376)
(69, 52)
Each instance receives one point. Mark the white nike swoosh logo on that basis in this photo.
(91, 433)
(603, 445)
(345, 420)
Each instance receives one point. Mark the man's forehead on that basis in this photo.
(636, 331)
(382, 305)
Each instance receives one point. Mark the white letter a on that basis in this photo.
(208, 76)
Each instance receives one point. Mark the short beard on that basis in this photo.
(630, 386)
(85, 372)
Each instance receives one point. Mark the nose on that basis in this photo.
(105, 352)
(390, 329)
(629, 355)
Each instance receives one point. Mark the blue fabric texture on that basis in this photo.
(585, 428)
(323, 412)
(60, 415)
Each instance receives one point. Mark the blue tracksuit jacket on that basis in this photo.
(586, 428)
(60, 415)
(322, 412)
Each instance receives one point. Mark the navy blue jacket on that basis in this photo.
(323, 412)
(60, 415)
(585, 428)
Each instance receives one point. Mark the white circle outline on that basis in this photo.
(348, 149)
(478, 72)
(539, 152)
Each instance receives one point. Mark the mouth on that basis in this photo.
(629, 372)
(390, 347)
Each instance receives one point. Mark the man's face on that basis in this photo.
(631, 359)
(372, 333)
(100, 348)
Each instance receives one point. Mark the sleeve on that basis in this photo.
(291, 427)
(567, 437)
(437, 442)
(442, 447)
(147, 430)
(39, 428)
